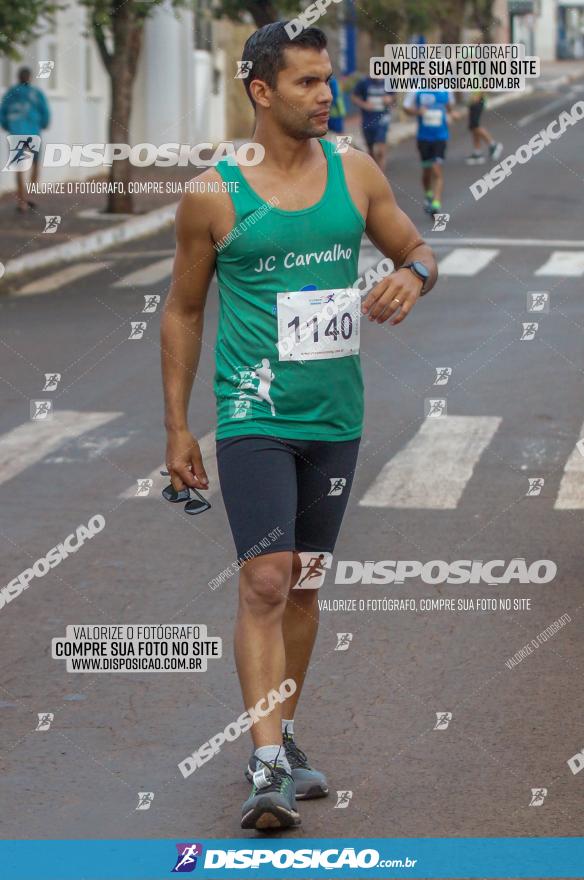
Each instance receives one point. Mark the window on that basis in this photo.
(51, 84)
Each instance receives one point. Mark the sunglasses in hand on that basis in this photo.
(195, 505)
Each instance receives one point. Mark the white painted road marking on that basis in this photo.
(208, 452)
(505, 242)
(151, 274)
(566, 263)
(466, 261)
(48, 283)
(571, 491)
(432, 470)
(126, 255)
(31, 442)
(546, 109)
(370, 256)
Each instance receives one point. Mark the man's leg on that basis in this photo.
(260, 658)
(427, 179)
(21, 202)
(34, 174)
(380, 154)
(300, 628)
(259, 640)
(258, 483)
(437, 181)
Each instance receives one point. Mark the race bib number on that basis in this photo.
(377, 102)
(432, 118)
(317, 324)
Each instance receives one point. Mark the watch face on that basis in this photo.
(420, 269)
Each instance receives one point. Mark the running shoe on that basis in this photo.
(475, 159)
(427, 202)
(495, 151)
(309, 783)
(435, 207)
(271, 803)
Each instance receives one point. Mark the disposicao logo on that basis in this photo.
(187, 857)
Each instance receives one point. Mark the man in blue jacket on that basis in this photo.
(24, 111)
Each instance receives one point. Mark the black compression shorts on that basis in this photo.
(431, 151)
(474, 114)
(285, 494)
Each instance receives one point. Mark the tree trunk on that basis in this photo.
(127, 43)
(263, 12)
(452, 21)
(121, 170)
(450, 30)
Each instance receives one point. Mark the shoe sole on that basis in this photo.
(265, 816)
(317, 791)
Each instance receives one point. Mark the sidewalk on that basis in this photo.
(83, 223)
(83, 230)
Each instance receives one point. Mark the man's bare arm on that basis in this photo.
(182, 335)
(392, 231)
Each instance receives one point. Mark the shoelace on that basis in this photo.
(295, 755)
(278, 776)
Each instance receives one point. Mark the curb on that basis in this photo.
(95, 242)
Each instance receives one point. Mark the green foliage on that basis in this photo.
(261, 11)
(22, 21)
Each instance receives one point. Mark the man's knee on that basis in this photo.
(313, 570)
(264, 583)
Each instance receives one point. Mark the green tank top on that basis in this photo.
(270, 251)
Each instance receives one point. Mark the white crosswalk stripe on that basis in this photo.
(31, 442)
(432, 470)
(207, 444)
(150, 274)
(568, 264)
(48, 283)
(466, 261)
(369, 256)
(571, 491)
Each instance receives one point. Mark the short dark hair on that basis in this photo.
(24, 74)
(265, 49)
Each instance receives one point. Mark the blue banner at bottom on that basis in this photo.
(382, 858)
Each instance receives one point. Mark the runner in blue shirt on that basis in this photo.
(375, 105)
(338, 110)
(433, 111)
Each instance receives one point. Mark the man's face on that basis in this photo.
(301, 101)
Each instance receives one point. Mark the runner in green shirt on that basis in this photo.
(284, 237)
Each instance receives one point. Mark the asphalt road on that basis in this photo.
(426, 489)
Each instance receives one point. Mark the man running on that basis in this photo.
(479, 134)
(433, 110)
(286, 460)
(375, 105)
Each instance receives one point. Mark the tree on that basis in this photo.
(384, 20)
(118, 29)
(450, 15)
(22, 22)
(262, 11)
(481, 15)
